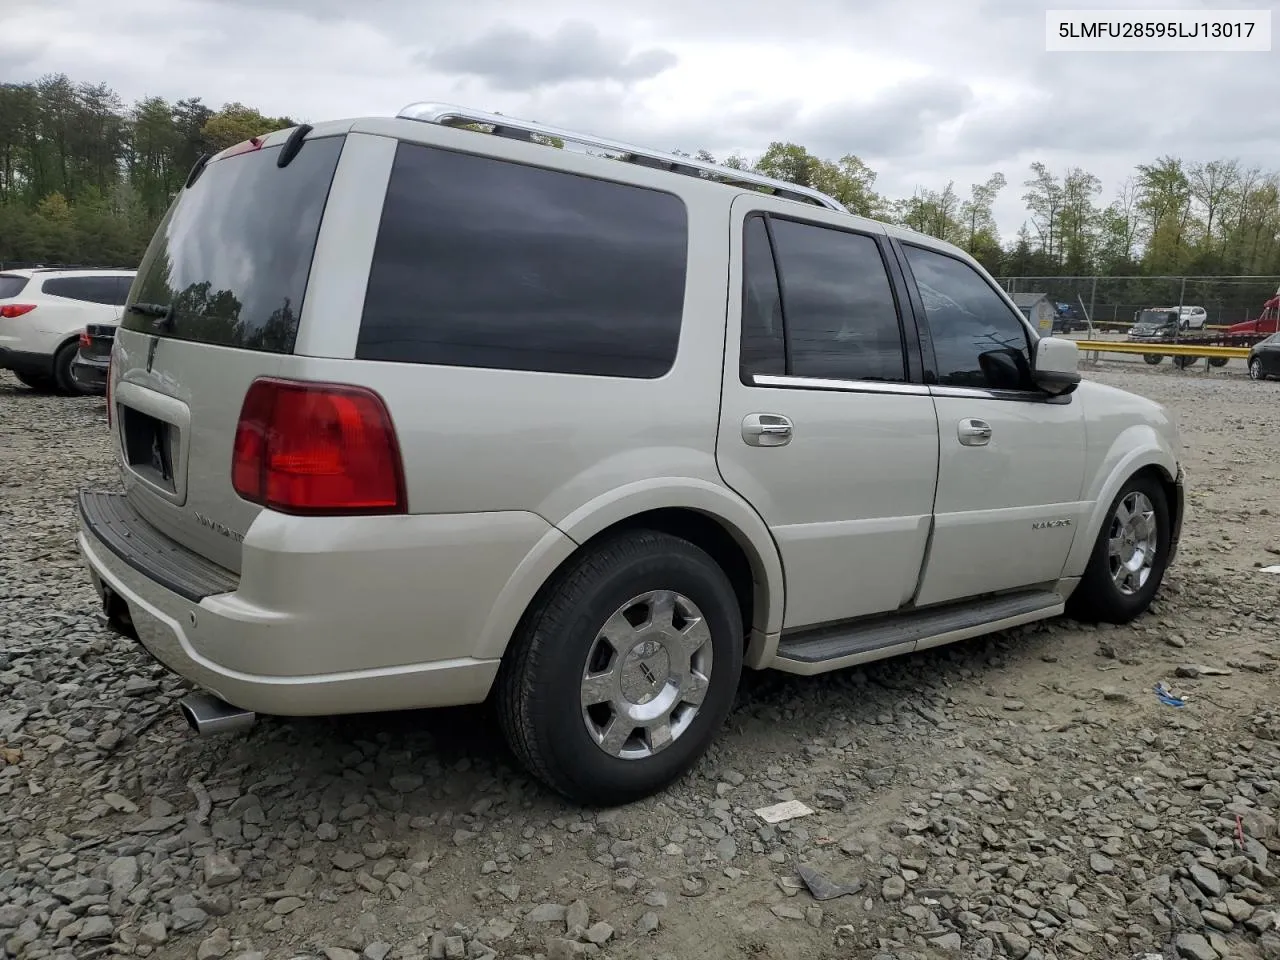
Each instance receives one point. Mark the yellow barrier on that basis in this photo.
(1169, 349)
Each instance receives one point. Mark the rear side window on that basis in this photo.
(837, 305)
(488, 263)
(233, 254)
(106, 290)
(11, 286)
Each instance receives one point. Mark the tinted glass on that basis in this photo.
(977, 340)
(233, 254)
(842, 320)
(85, 289)
(762, 335)
(11, 286)
(487, 263)
(122, 290)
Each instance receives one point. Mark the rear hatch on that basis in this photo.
(215, 305)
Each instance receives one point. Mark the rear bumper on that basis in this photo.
(324, 627)
(90, 373)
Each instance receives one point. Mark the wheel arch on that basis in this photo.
(1138, 451)
(703, 513)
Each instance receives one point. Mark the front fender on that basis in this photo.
(1133, 449)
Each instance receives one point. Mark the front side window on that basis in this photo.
(977, 340)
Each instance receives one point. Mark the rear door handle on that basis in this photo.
(766, 430)
(974, 433)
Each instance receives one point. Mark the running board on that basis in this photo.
(845, 645)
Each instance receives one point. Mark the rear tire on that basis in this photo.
(1153, 359)
(595, 698)
(35, 381)
(1129, 558)
(1255, 370)
(1218, 361)
(62, 377)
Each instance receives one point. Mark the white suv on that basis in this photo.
(43, 311)
(410, 415)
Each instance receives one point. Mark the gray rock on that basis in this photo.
(893, 889)
(599, 933)
(11, 916)
(1192, 946)
(340, 953)
(546, 913)
(1101, 864)
(1207, 880)
(215, 946)
(379, 950)
(948, 943)
(1014, 945)
(647, 924)
(122, 874)
(187, 919)
(219, 871)
(96, 928)
(152, 934)
(576, 919)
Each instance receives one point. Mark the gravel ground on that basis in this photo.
(1024, 795)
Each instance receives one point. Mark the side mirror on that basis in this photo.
(1056, 367)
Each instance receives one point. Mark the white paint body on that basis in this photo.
(874, 504)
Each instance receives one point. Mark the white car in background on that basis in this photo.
(1192, 318)
(44, 310)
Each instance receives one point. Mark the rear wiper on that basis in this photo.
(163, 313)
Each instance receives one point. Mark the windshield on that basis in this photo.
(1155, 318)
(234, 252)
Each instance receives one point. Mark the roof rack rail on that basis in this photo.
(449, 115)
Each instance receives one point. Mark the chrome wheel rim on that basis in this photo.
(646, 675)
(1132, 542)
(1255, 370)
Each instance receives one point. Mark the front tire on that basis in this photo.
(1153, 359)
(1255, 370)
(623, 670)
(1129, 558)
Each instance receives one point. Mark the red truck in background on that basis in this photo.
(1264, 324)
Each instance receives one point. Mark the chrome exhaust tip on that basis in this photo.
(207, 715)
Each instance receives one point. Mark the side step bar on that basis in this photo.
(841, 645)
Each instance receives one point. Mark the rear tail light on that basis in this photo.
(84, 340)
(11, 310)
(317, 448)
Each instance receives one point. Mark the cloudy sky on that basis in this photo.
(925, 91)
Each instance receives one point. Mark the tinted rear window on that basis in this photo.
(233, 254)
(11, 286)
(488, 263)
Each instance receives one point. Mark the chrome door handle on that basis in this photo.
(974, 433)
(766, 430)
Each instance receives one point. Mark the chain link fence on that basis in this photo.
(1113, 301)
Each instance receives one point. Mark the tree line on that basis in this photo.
(84, 178)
